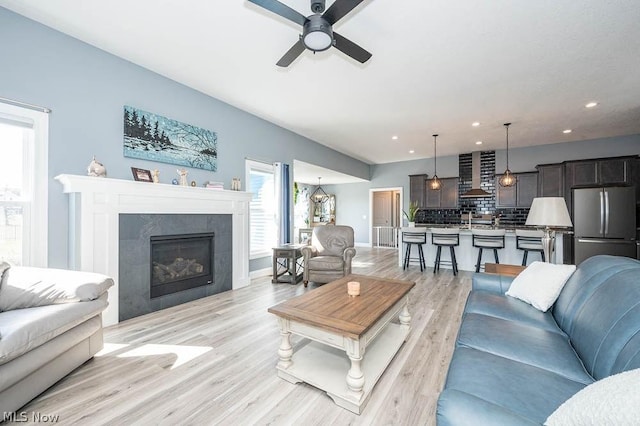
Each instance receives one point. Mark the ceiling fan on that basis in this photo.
(317, 34)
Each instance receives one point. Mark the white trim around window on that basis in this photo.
(35, 201)
(263, 208)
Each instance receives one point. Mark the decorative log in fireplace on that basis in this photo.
(180, 262)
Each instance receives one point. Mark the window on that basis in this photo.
(263, 229)
(23, 185)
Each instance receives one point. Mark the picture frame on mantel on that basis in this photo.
(141, 175)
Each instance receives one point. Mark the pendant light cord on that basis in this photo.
(507, 126)
(435, 156)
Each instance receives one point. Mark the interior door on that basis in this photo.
(382, 207)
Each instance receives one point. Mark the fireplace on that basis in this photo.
(112, 220)
(180, 262)
(169, 259)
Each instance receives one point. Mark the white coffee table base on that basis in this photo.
(324, 361)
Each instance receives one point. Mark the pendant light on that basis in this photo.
(435, 183)
(507, 179)
(319, 195)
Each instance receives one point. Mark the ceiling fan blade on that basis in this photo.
(282, 10)
(291, 54)
(349, 48)
(339, 9)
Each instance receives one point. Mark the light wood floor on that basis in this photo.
(213, 361)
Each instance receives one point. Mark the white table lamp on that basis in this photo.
(549, 212)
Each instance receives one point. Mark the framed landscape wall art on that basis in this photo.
(152, 137)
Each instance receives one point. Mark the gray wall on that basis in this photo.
(87, 88)
(352, 207)
(352, 200)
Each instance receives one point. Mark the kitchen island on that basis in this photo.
(467, 255)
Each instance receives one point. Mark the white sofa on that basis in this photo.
(50, 323)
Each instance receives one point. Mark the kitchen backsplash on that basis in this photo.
(441, 216)
(513, 216)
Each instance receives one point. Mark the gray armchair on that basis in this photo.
(329, 255)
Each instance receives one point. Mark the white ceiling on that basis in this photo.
(437, 66)
(309, 174)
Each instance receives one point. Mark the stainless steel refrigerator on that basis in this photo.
(604, 222)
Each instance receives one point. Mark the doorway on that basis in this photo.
(385, 214)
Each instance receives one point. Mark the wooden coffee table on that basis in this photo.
(334, 324)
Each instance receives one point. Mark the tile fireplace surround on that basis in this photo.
(96, 203)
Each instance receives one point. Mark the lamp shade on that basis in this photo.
(549, 211)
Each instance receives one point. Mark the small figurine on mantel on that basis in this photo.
(183, 177)
(155, 175)
(235, 184)
(96, 169)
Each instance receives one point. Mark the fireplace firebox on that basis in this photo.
(180, 262)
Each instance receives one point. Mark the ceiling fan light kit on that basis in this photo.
(317, 32)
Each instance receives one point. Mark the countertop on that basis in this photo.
(510, 229)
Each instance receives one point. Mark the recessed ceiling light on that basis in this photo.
(479, 143)
(566, 131)
(475, 123)
(591, 104)
(411, 151)
(395, 138)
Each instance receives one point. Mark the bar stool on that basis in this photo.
(445, 237)
(411, 238)
(489, 239)
(529, 240)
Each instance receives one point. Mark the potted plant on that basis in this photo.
(411, 216)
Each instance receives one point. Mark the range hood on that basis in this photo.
(475, 191)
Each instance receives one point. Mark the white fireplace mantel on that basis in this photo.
(96, 203)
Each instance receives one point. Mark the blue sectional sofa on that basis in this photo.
(514, 365)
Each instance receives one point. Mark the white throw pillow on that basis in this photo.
(540, 284)
(614, 400)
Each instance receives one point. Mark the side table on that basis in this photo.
(287, 263)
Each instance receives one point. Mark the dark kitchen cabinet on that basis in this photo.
(635, 180)
(550, 180)
(505, 196)
(605, 171)
(449, 191)
(446, 197)
(614, 171)
(527, 189)
(417, 186)
(519, 195)
(582, 173)
(433, 198)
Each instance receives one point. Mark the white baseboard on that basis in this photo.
(362, 244)
(260, 273)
